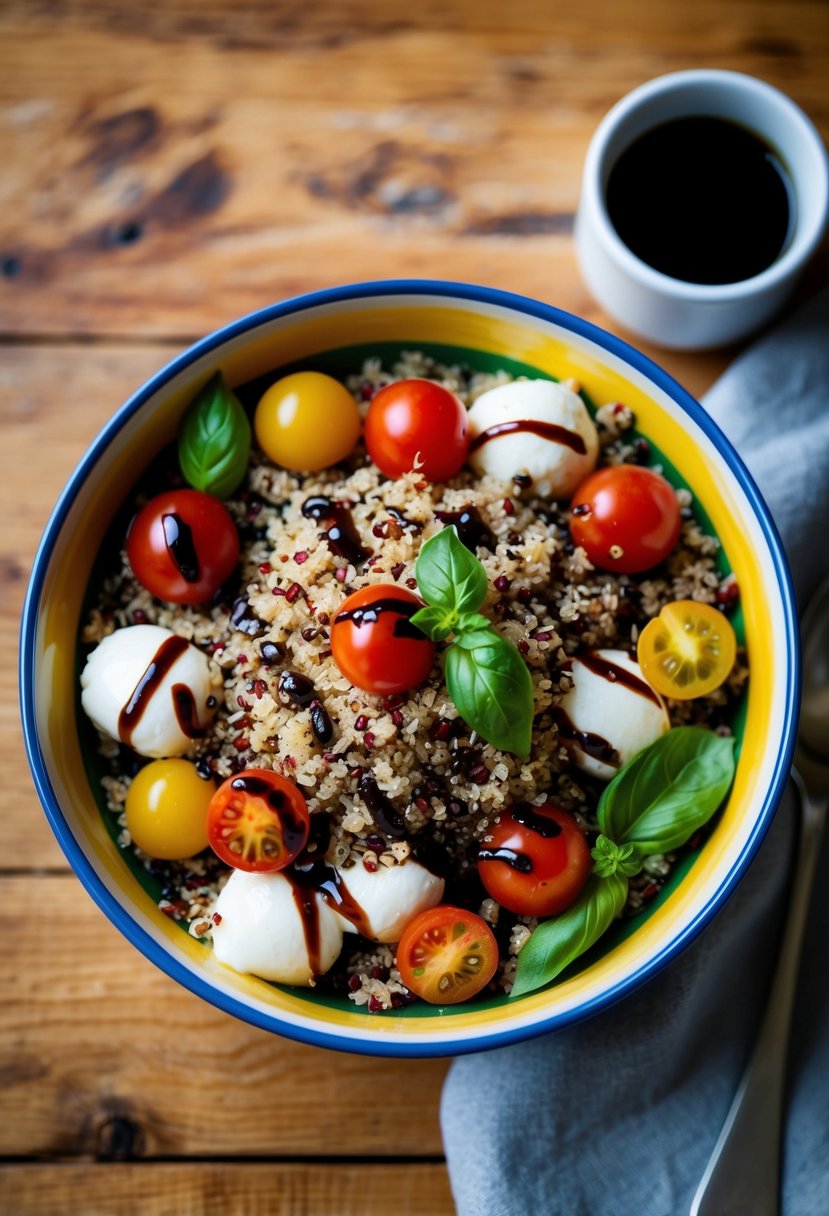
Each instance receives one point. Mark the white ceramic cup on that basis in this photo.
(668, 311)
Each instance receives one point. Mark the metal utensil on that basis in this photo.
(743, 1173)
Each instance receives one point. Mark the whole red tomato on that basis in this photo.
(535, 860)
(374, 643)
(626, 518)
(183, 546)
(417, 424)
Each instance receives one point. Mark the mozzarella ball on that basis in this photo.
(622, 717)
(262, 932)
(158, 725)
(390, 897)
(557, 461)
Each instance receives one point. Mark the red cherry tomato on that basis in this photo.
(625, 518)
(535, 860)
(374, 643)
(447, 955)
(182, 546)
(417, 423)
(258, 821)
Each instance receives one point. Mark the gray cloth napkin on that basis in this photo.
(618, 1115)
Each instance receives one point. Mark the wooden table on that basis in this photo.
(165, 167)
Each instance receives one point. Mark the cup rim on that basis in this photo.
(806, 238)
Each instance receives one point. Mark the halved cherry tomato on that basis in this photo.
(258, 821)
(183, 546)
(626, 518)
(166, 809)
(687, 651)
(374, 643)
(447, 955)
(535, 860)
(417, 424)
(307, 421)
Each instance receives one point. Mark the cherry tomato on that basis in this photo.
(258, 821)
(687, 651)
(535, 860)
(374, 643)
(306, 422)
(415, 423)
(167, 809)
(447, 955)
(625, 518)
(183, 546)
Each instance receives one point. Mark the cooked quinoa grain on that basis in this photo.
(387, 778)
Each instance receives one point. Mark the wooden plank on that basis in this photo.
(226, 1190)
(99, 1049)
(169, 169)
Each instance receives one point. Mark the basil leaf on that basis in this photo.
(471, 622)
(613, 858)
(214, 440)
(668, 791)
(560, 940)
(448, 575)
(434, 622)
(492, 690)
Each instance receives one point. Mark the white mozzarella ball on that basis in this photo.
(390, 897)
(611, 701)
(110, 681)
(556, 463)
(262, 932)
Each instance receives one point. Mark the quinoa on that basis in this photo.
(284, 704)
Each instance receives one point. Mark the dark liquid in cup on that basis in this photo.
(703, 200)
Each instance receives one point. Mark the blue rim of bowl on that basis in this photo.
(122, 919)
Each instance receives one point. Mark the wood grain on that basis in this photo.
(169, 170)
(166, 167)
(206, 1189)
(98, 1048)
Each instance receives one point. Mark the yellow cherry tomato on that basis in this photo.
(167, 809)
(306, 422)
(687, 651)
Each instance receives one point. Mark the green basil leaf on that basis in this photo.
(613, 858)
(434, 622)
(472, 622)
(492, 690)
(448, 575)
(560, 940)
(214, 440)
(668, 791)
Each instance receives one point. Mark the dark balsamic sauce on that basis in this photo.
(368, 614)
(385, 817)
(168, 652)
(545, 430)
(341, 535)
(615, 674)
(516, 861)
(178, 537)
(472, 531)
(592, 745)
(702, 199)
(293, 687)
(530, 818)
(404, 520)
(184, 704)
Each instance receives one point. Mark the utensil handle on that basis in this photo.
(743, 1173)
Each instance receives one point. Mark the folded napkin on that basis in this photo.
(618, 1115)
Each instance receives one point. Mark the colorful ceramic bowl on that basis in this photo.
(486, 329)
